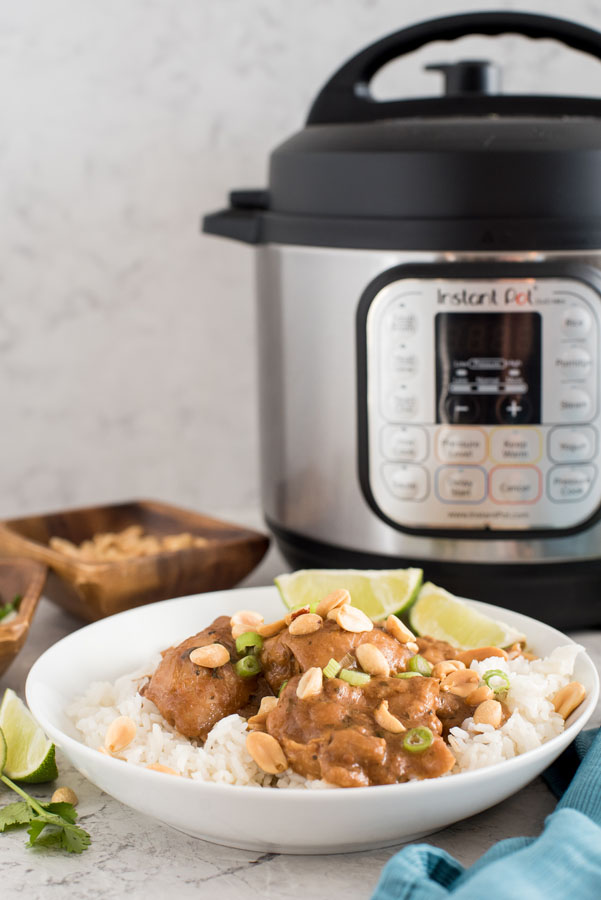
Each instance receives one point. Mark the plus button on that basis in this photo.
(513, 408)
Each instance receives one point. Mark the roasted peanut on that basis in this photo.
(386, 720)
(308, 623)
(65, 795)
(568, 698)
(412, 646)
(480, 653)
(245, 620)
(295, 613)
(349, 618)
(310, 684)
(267, 704)
(119, 734)
(489, 713)
(212, 656)
(444, 668)
(270, 629)
(461, 682)
(372, 660)
(266, 752)
(398, 630)
(332, 601)
(480, 695)
(158, 767)
(515, 650)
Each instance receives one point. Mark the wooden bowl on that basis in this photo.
(25, 578)
(92, 590)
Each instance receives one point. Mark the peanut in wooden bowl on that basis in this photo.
(95, 589)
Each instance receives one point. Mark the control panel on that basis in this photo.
(483, 403)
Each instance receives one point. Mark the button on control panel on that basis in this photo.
(483, 403)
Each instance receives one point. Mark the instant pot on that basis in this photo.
(429, 292)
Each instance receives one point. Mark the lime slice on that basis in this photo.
(377, 592)
(30, 755)
(2, 751)
(446, 618)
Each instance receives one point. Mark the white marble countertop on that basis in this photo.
(134, 856)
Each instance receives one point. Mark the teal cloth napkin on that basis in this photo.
(563, 862)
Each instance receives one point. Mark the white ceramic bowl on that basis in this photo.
(294, 821)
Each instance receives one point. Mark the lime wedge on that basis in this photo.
(2, 751)
(446, 618)
(377, 592)
(30, 755)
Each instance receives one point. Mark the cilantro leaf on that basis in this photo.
(74, 839)
(10, 607)
(19, 813)
(65, 810)
(35, 829)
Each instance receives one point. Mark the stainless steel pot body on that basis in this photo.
(308, 302)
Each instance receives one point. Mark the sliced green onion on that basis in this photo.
(248, 666)
(420, 665)
(354, 678)
(282, 686)
(496, 680)
(332, 669)
(249, 641)
(408, 675)
(418, 739)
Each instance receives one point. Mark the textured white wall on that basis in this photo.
(127, 340)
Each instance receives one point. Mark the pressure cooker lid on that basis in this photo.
(469, 169)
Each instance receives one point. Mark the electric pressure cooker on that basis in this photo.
(429, 291)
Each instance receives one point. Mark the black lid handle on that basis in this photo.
(347, 97)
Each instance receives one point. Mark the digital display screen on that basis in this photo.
(488, 368)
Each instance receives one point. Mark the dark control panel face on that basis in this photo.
(488, 368)
(483, 401)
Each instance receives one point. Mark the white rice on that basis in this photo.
(225, 760)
